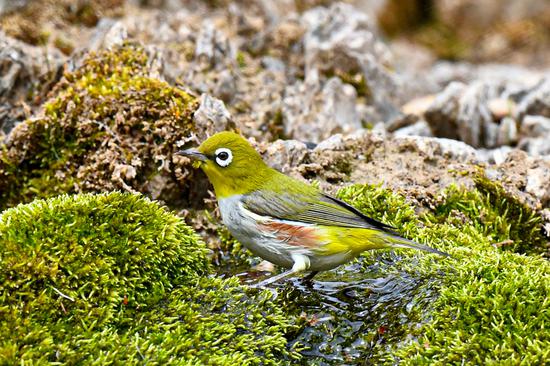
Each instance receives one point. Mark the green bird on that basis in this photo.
(283, 220)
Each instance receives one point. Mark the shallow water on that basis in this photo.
(356, 312)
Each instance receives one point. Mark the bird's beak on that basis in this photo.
(193, 154)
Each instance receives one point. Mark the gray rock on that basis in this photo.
(433, 146)
(108, 33)
(334, 142)
(313, 112)
(494, 156)
(226, 86)
(341, 38)
(474, 119)
(442, 115)
(535, 146)
(467, 113)
(273, 64)
(7, 6)
(420, 128)
(537, 101)
(284, 154)
(211, 117)
(507, 133)
(26, 74)
(535, 126)
(538, 183)
(512, 78)
(212, 47)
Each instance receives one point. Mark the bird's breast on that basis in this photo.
(237, 219)
(256, 233)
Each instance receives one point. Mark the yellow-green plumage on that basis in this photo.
(359, 240)
(285, 220)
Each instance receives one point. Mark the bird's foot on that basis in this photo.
(308, 279)
(268, 281)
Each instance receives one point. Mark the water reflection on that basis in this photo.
(354, 313)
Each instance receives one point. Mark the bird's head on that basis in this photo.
(231, 164)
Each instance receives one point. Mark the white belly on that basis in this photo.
(243, 225)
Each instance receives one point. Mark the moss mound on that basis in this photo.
(109, 125)
(115, 278)
(504, 219)
(492, 305)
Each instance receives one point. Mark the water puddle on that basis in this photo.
(353, 314)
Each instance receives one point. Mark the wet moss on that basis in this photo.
(490, 304)
(487, 304)
(109, 125)
(115, 278)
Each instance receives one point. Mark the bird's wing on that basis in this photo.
(311, 208)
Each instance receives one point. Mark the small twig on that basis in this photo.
(504, 243)
(62, 307)
(109, 131)
(140, 354)
(125, 186)
(63, 295)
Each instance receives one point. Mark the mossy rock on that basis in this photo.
(110, 124)
(487, 304)
(113, 278)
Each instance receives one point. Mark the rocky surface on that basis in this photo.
(27, 73)
(308, 75)
(420, 167)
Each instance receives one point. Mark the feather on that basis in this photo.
(310, 207)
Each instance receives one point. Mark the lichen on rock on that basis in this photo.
(110, 124)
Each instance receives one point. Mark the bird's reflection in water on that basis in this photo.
(350, 314)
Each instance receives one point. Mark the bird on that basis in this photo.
(283, 220)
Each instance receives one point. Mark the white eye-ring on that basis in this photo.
(224, 156)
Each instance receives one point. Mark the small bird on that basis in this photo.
(283, 220)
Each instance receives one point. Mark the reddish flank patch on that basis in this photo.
(303, 236)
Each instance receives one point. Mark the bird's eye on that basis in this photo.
(224, 157)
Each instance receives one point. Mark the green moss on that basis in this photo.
(275, 125)
(355, 78)
(444, 40)
(402, 16)
(241, 59)
(358, 81)
(492, 305)
(503, 218)
(110, 125)
(114, 278)
(421, 22)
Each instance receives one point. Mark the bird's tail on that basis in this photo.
(395, 241)
(358, 240)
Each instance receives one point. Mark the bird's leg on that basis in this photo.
(301, 263)
(272, 279)
(310, 276)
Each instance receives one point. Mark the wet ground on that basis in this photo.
(355, 310)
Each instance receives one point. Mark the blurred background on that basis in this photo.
(276, 64)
